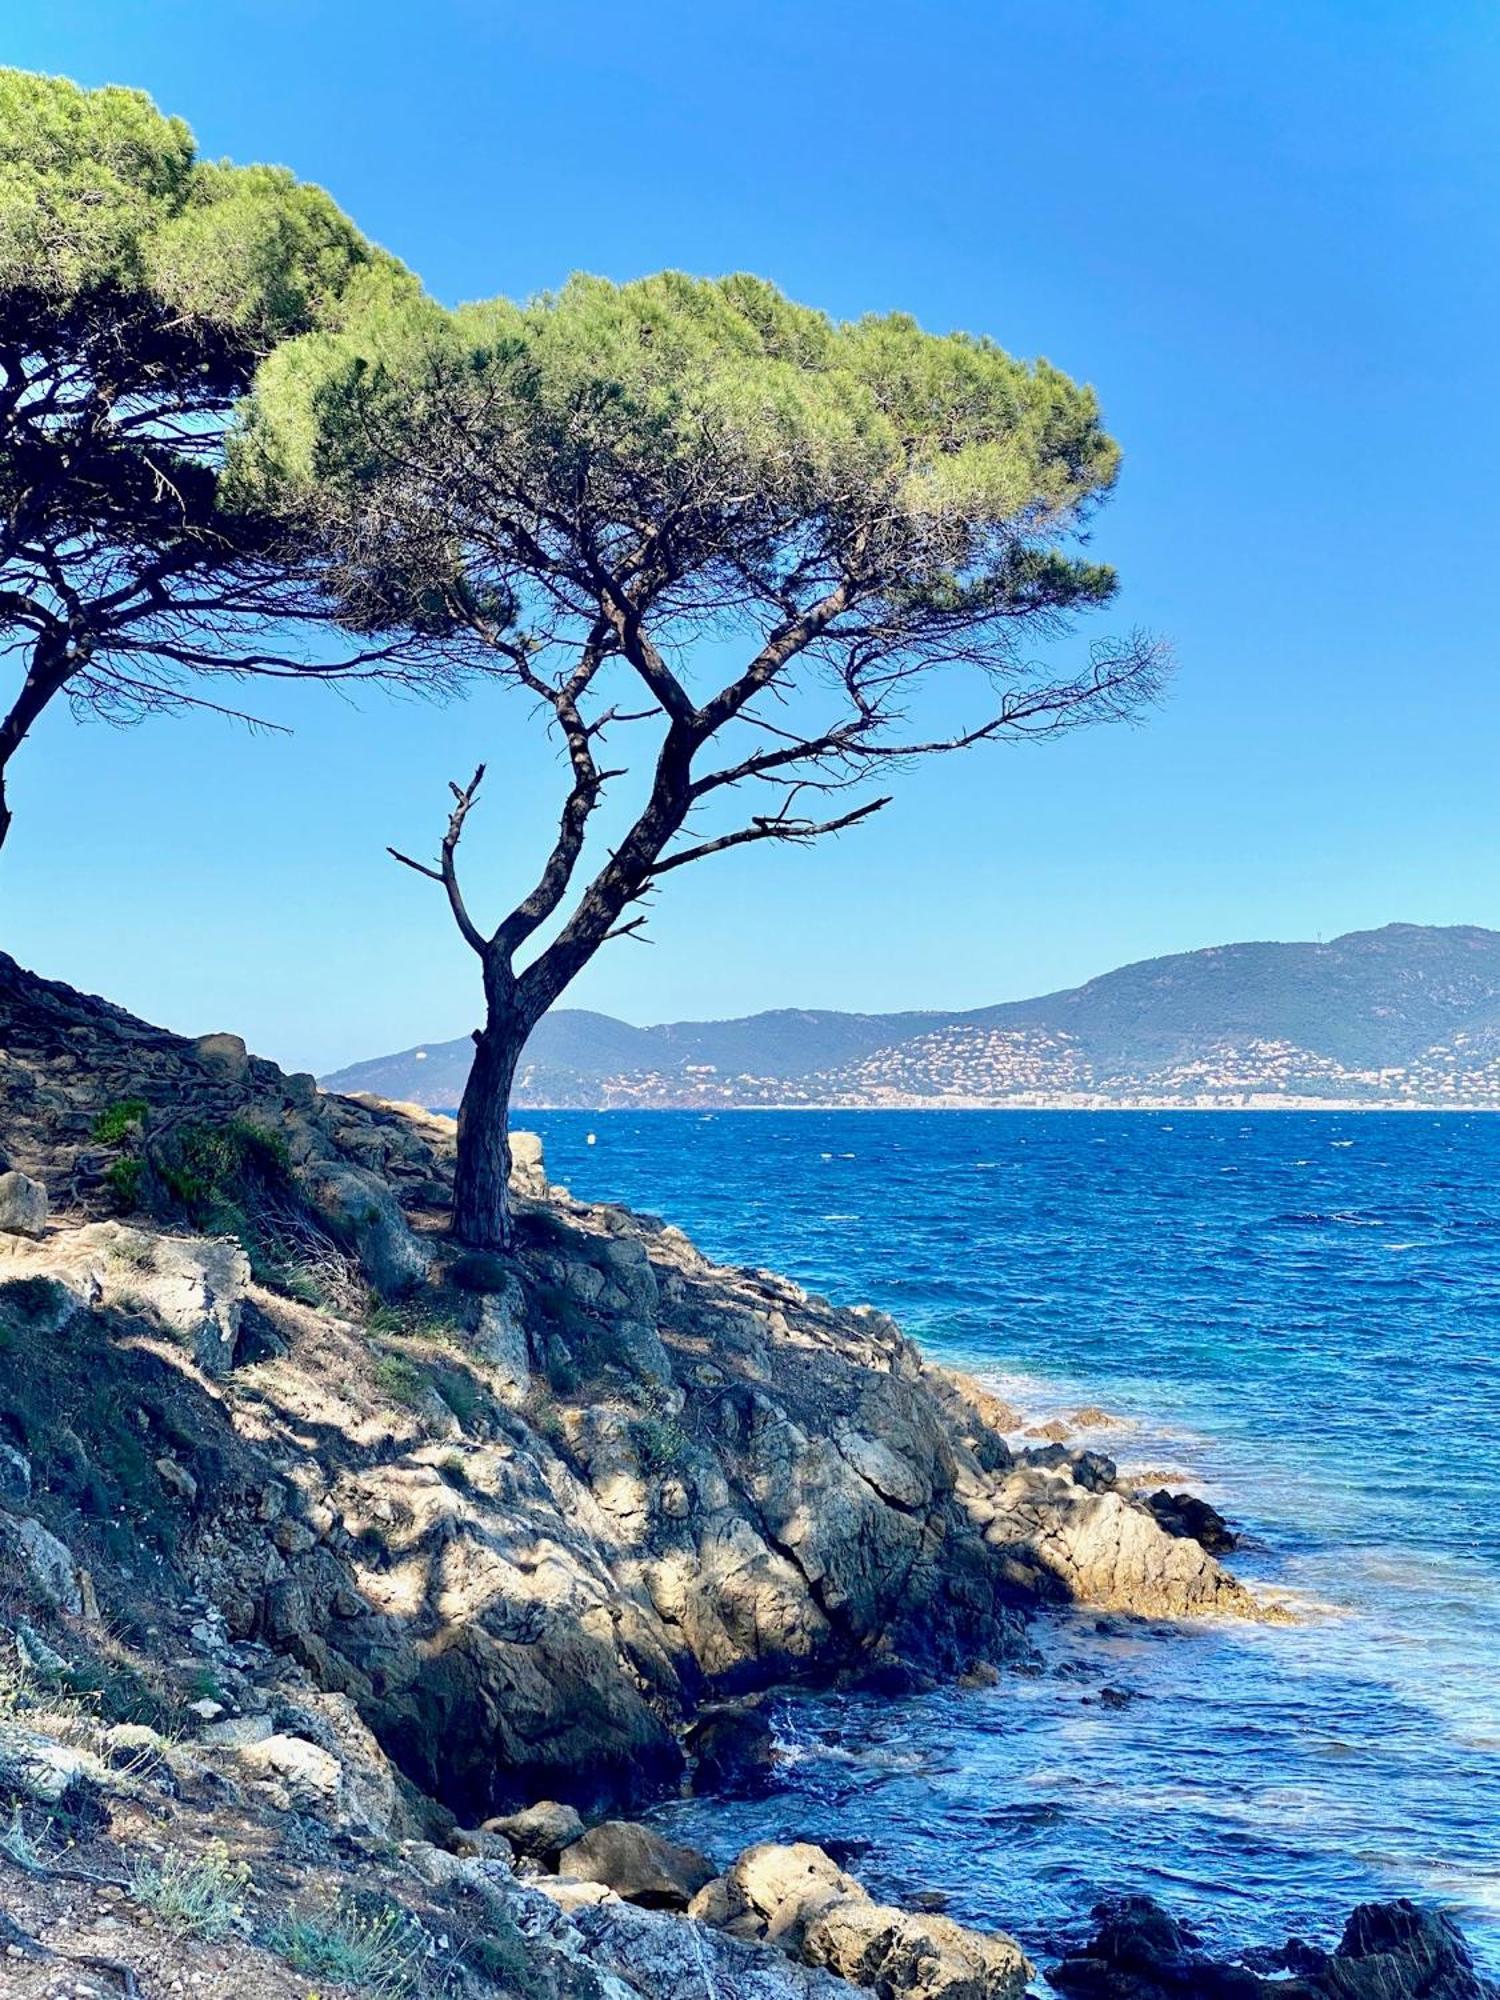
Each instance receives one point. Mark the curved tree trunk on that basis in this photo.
(481, 1184)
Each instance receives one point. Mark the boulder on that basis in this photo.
(23, 1205)
(539, 1832)
(177, 1480)
(798, 1897)
(774, 1892)
(638, 1864)
(906, 1956)
(528, 1174)
(38, 1767)
(360, 1212)
(225, 1055)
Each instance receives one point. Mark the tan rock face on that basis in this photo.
(192, 1287)
(906, 1957)
(797, 1898)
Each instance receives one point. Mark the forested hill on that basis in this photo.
(1407, 1014)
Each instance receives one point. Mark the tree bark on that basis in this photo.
(481, 1184)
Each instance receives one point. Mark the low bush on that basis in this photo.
(116, 1121)
(367, 1943)
(195, 1896)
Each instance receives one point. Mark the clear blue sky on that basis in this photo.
(1267, 232)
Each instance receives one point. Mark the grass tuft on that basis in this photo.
(200, 1896)
(378, 1950)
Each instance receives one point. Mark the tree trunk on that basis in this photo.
(481, 1183)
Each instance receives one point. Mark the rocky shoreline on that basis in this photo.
(376, 1546)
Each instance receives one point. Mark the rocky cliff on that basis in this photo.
(318, 1538)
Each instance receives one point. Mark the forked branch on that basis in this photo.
(446, 871)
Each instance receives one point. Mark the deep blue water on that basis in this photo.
(1300, 1314)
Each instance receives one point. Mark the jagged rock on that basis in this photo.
(1389, 1951)
(1399, 1951)
(638, 1864)
(359, 1211)
(345, 1778)
(48, 1562)
(501, 1338)
(798, 1898)
(1185, 1515)
(540, 1832)
(1102, 1548)
(366, 1795)
(35, 1654)
(23, 1205)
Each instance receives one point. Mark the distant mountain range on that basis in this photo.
(1406, 1015)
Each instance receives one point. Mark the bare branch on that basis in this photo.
(770, 828)
(446, 872)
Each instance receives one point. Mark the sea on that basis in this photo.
(1296, 1315)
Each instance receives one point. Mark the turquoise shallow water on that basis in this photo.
(1301, 1315)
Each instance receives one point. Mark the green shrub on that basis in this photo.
(364, 1942)
(659, 1443)
(299, 1283)
(217, 1175)
(200, 1896)
(116, 1121)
